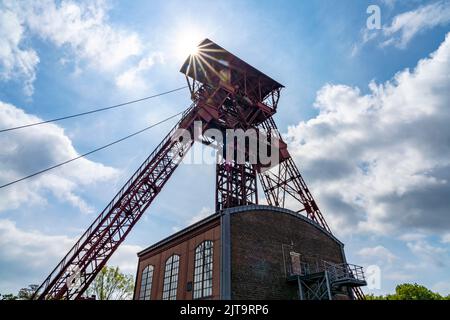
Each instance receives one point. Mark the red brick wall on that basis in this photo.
(257, 263)
(184, 246)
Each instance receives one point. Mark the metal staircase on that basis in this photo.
(328, 281)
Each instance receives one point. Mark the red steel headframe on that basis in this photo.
(227, 93)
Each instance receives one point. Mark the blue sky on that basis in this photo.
(386, 109)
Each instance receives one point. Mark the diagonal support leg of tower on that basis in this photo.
(284, 180)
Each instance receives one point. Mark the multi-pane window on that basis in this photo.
(146, 283)
(171, 278)
(203, 270)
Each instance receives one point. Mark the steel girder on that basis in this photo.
(285, 180)
(235, 185)
(90, 253)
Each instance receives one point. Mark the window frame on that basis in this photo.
(203, 270)
(145, 291)
(170, 280)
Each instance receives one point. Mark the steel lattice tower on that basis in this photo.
(227, 93)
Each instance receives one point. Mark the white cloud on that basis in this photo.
(84, 27)
(15, 60)
(34, 149)
(408, 24)
(204, 212)
(126, 258)
(408, 237)
(432, 255)
(39, 253)
(389, 3)
(380, 162)
(189, 220)
(446, 238)
(405, 26)
(378, 253)
(399, 276)
(132, 79)
(442, 287)
(31, 246)
(81, 28)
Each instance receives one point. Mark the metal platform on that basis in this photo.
(323, 282)
(345, 274)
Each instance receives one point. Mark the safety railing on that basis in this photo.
(344, 271)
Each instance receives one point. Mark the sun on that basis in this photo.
(186, 43)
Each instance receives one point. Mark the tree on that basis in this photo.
(111, 284)
(408, 291)
(24, 293)
(27, 293)
(8, 296)
(414, 291)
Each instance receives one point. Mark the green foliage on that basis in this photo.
(416, 292)
(24, 293)
(8, 296)
(27, 293)
(408, 291)
(111, 284)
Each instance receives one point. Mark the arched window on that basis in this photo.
(146, 283)
(203, 270)
(171, 278)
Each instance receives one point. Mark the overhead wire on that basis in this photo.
(92, 111)
(90, 152)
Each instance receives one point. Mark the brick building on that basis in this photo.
(248, 252)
